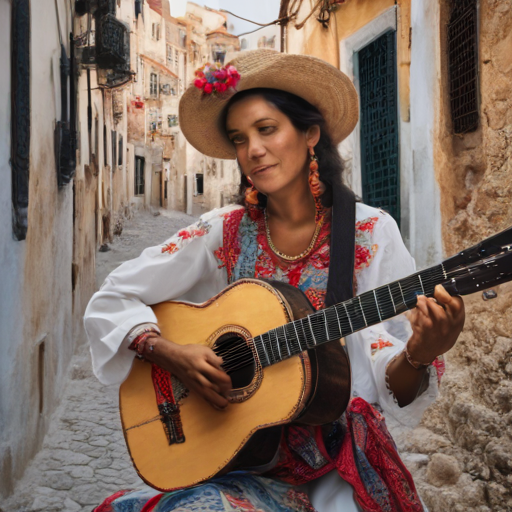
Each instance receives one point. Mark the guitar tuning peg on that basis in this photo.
(489, 294)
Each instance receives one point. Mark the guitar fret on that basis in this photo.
(348, 316)
(297, 334)
(289, 339)
(370, 308)
(271, 345)
(376, 302)
(309, 319)
(332, 323)
(421, 283)
(362, 311)
(401, 291)
(339, 322)
(392, 300)
(278, 344)
(326, 325)
(302, 323)
(265, 348)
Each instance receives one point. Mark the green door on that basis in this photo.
(380, 166)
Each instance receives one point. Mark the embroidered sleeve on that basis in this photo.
(183, 267)
(383, 259)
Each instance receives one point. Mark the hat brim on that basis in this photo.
(316, 81)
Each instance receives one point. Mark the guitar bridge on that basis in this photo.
(171, 419)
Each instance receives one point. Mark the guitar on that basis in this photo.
(253, 325)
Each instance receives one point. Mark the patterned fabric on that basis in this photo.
(364, 455)
(245, 253)
(237, 492)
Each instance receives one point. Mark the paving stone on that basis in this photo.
(71, 506)
(82, 472)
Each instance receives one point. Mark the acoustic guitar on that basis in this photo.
(287, 362)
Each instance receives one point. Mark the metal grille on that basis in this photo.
(379, 125)
(463, 62)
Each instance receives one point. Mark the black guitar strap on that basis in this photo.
(340, 283)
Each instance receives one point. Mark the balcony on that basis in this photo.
(112, 44)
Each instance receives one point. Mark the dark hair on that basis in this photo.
(302, 115)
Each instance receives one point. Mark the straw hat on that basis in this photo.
(319, 83)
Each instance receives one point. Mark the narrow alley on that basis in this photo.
(84, 458)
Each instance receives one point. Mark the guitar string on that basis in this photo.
(240, 359)
(244, 361)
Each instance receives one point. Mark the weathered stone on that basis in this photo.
(422, 440)
(443, 470)
(498, 453)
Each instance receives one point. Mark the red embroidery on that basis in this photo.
(367, 224)
(170, 248)
(230, 251)
(380, 345)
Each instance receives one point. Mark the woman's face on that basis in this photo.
(270, 150)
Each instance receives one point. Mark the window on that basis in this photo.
(169, 56)
(176, 60)
(120, 152)
(243, 44)
(172, 120)
(114, 148)
(138, 8)
(219, 55)
(20, 116)
(155, 31)
(153, 85)
(199, 184)
(463, 65)
(183, 38)
(379, 125)
(139, 176)
(105, 146)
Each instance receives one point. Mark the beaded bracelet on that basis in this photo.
(139, 336)
(415, 364)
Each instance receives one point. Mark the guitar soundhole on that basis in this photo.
(238, 359)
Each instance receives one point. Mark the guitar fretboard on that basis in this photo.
(347, 317)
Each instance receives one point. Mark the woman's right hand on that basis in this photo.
(198, 367)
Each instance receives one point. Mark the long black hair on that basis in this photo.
(302, 115)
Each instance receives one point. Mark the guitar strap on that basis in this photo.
(340, 283)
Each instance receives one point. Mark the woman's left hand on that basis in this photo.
(436, 325)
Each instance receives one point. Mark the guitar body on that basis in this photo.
(299, 389)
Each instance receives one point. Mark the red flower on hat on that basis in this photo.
(214, 78)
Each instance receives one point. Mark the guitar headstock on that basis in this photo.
(481, 275)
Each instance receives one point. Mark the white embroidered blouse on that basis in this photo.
(191, 266)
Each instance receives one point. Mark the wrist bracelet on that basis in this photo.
(415, 364)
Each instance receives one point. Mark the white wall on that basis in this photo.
(36, 299)
(425, 211)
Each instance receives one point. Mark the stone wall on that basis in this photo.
(463, 449)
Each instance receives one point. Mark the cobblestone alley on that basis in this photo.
(84, 457)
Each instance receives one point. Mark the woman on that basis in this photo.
(282, 116)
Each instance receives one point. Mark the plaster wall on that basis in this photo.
(425, 214)
(211, 19)
(36, 303)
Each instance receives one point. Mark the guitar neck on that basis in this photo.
(340, 320)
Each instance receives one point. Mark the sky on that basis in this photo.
(262, 11)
